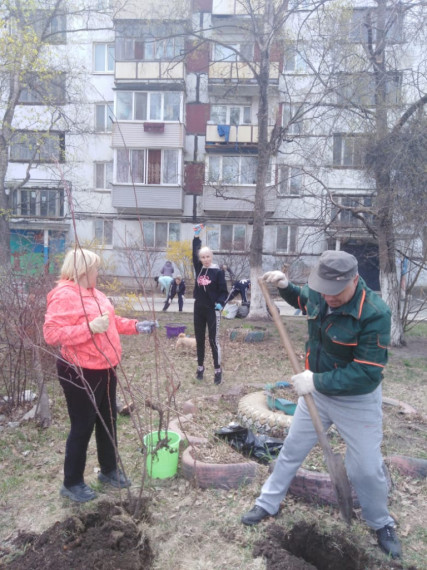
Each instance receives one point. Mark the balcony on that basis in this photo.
(170, 71)
(246, 135)
(229, 202)
(142, 135)
(239, 71)
(150, 199)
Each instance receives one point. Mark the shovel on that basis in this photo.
(334, 461)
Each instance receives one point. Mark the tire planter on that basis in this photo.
(175, 425)
(216, 475)
(316, 487)
(410, 466)
(254, 413)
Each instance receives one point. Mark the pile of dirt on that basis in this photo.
(107, 537)
(304, 547)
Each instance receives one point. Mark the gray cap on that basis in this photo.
(333, 272)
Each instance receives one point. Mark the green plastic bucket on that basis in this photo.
(164, 462)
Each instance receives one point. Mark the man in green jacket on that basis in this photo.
(349, 330)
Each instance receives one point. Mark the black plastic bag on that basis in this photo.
(259, 447)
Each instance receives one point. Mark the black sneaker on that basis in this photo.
(254, 516)
(218, 376)
(199, 373)
(115, 478)
(388, 541)
(80, 493)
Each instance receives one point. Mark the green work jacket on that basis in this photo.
(347, 348)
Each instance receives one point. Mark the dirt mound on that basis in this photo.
(305, 548)
(106, 538)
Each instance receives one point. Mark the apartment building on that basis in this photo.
(170, 106)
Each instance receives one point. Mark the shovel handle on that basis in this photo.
(296, 367)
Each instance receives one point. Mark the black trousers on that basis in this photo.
(91, 403)
(207, 317)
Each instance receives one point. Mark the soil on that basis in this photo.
(175, 525)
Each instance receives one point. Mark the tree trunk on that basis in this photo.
(43, 415)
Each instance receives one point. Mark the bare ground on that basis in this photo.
(180, 526)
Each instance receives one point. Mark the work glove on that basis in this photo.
(99, 324)
(197, 229)
(218, 307)
(146, 326)
(303, 383)
(277, 278)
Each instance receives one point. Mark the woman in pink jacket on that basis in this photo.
(81, 320)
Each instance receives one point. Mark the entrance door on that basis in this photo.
(368, 260)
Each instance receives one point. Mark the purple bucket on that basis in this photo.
(174, 330)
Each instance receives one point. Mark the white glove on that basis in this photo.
(146, 326)
(99, 324)
(303, 383)
(276, 278)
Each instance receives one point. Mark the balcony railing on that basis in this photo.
(149, 70)
(149, 198)
(235, 200)
(244, 134)
(239, 71)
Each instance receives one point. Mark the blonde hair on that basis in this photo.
(77, 263)
(205, 249)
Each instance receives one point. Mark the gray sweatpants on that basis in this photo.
(359, 422)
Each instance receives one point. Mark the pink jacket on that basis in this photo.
(69, 310)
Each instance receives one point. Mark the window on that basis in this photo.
(226, 237)
(286, 239)
(31, 146)
(292, 119)
(233, 52)
(50, 28)
(48, 90)
(290, 180)
(39, 202)
(348, 150)
(158, 234)
(231, 115)
(361, 17)
(103, 175)
(103, 117)
(294, 61)
(232, 170)
(151, 106)
(148, 166)
(300, 4)
(347, 217)
(138, 49)
(360, 88)
(104, 231)
(103, 58)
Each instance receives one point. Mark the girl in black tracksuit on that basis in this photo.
(210, 293)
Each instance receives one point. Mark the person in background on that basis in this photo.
(165, 281)
(177, 288)
(167, 269)
(239, 288)
(82, 322)
(210, 293)
(346, 352)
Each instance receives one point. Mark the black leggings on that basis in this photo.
(206, 316)
(91, 403)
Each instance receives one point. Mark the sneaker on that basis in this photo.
(218, 376)
(115, 478)
(80, 493)
(388, 541)
(199, 373)
(255, 515)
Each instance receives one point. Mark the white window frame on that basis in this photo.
(294, 61)
(22, 150)
(289, 235)
(218, 234)
(245, 114)
(292, 117)
(345, 147)
(108, 56)
(103, 171)
(37, 198)
(243, 51)
(103, 231)
(151, 95)
(290, 180)
(137, 157)
(240, 171)
(106, 111)
(157, 235)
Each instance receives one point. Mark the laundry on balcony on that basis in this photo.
(224, 131)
